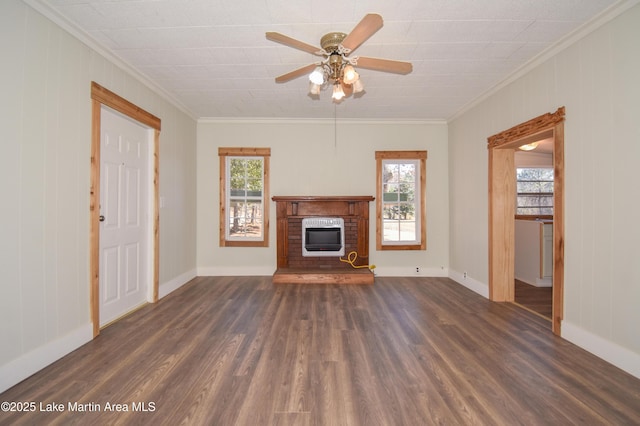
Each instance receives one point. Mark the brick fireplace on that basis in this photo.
(294, 267)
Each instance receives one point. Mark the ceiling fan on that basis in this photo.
(337, 68)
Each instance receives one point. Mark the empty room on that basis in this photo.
(314, 213)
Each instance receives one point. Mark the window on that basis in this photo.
(534, 188)
(244, 194)
(400, 205)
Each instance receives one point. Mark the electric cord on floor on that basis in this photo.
(351, 260)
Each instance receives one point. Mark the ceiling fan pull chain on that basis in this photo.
(335, 126)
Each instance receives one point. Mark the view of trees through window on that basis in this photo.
(399, 198)
(534, 191)
(245, 197)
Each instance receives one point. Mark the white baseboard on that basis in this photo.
(544, 282)
(28, 364)
(611, 352)
(382, 271)
(234, 271)
(409, 271)
(474, 285)
(537, 282)
(175, 283)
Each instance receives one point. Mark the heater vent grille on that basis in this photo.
(322, 236)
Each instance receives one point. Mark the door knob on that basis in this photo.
(101, 218)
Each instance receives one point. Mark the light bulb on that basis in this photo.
(317, 76)
(529, 146)
(338, 93)
(350, 75)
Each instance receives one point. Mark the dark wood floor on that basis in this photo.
(405, 351)
(538, 299)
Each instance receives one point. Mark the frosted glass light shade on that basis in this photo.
(529, 146)
(338, 93)
(357, 86)
(314, 89)
(317, 76)
(349, 75)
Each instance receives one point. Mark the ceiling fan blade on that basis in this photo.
(292, 42)
(295, 74)
(365, 29)
(386, 65)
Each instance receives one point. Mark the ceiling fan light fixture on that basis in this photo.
(529, 146)
(337, 68)
(338, 93)
(317, 76)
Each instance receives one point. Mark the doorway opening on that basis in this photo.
(102, 97)
(502, 208)
(534, 227)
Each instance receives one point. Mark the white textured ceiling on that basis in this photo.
(213, 57)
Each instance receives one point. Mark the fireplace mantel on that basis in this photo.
(323, 198)
(293, 267)
(306, 206)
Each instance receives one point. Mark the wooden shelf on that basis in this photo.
(323, 276)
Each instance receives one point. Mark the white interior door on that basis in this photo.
(124, 209)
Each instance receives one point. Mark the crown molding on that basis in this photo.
(275, 120)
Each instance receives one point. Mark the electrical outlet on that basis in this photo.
(465, 275)
(417, 269)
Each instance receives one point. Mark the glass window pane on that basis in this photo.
(245, 219)
(390, 173)
(535, 191)
(407, 172)
(391, 231)
(546, 174)
(390, 211)
(406, 211)
(399, 196)
(245, 176)
(243, 207)
(408, 230)
(390, 191)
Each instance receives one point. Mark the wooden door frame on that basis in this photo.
(502, 194)
(101, 96)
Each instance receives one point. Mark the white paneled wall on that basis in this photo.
(597, 80)
(322, 158)
(45, 118)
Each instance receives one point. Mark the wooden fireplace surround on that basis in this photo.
(293, 267)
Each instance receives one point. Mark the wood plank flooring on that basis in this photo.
(405, 351)
(538, 299)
